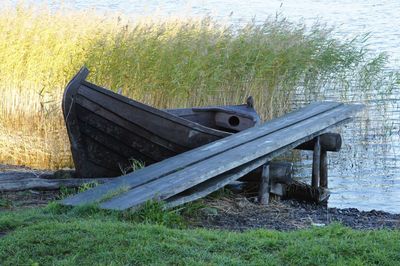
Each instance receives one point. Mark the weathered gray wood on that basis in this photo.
(75, 137)
(323, 169)
(277, 189)
(19, 181)
(211, 185)
(316, 163)
(265, 186)
(181, 161)
(328, 142)
(280, 172)
(14, 175)
(185, 178)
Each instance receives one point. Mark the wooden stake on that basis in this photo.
(316, 163)
(265, 186)
(324, 169)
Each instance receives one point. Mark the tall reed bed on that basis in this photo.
(166, 63)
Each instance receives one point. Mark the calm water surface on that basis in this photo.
(365, 174)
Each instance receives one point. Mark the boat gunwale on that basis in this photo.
(159, 112)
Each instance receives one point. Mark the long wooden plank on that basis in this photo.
(220, 181)
(186, 159)
(201, 171)
(18, 181)
(214, 184)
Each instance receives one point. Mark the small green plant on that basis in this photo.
(5, 203)
(113, 193)
(134, 165)
(87, 186)
(155, 212)
(67, 191)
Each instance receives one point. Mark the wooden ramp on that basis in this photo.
(198, 172)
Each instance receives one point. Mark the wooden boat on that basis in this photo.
(108, 131)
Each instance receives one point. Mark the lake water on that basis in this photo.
(365, 174)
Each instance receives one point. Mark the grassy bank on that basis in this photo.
(168, 63)
(58, 236)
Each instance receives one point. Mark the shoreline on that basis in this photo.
(237, 213)
(233, 211)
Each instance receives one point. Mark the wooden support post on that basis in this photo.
(265, 186)
(316, 163)
(324, 169)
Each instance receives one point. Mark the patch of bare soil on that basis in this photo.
(238, 213)
(26, 199)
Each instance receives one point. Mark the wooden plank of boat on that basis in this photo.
(181, 172)
(107, 130)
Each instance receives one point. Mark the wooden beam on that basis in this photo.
(316, 163)
(265, 186)
(19, 181)
(328, 142)
(280, 172)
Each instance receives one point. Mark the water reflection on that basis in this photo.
(364, 174)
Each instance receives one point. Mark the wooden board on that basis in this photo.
(183, 160)
(23, 180)
(175, 175)
(281, 172)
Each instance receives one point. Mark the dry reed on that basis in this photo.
(170, 63)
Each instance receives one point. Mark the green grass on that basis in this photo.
(62, 236)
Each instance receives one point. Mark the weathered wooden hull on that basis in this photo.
(108, 131)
